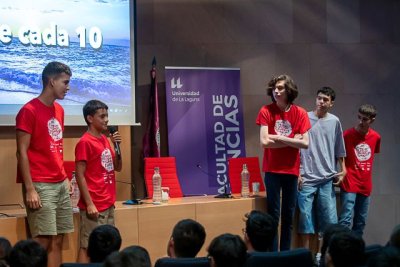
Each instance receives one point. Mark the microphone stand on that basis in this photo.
(131, 201)
(223, 195)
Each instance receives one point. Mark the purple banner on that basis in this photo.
(205, 126)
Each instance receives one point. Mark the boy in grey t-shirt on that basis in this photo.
(318, 171)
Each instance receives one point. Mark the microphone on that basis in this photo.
(112, 130)
(223, 195)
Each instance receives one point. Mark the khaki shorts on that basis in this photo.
(55, 215)
(88, 224)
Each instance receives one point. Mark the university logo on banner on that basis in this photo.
(205, 125)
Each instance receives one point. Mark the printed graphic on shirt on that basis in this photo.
(363, 152)
(106, 160)
(283, 127)
(54, 128)
(55, 132)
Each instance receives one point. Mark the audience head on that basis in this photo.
(28, 253)
(345, 250)
(5, 248)
(103, 240)
(133, 256)
(386, 257)
(290, 87)
(260, 231)
(329, 232)
(187, 238)
(227, 250)
(395, 237)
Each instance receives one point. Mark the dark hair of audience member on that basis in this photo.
(386, 257)
(260, 229)
(347, 249)
(103, 240)
(28, 253)
(395, 237)
(188, 237)
(227, 250)
(5, 248)
(133, 256)
(329, 232)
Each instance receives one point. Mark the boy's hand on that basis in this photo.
(33, 199)
(92, 211)
(299, 183)
(338, 179)
(116, 137)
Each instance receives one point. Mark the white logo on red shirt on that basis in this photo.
(283, 127)
(363, 152)
(54, 128)
(106, 160)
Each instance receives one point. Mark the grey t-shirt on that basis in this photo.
(326, 144)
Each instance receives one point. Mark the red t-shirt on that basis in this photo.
(360, 150)
(99, 174)
(285, 160)
(45, 153)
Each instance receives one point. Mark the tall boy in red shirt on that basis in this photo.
(39, 134)
(361, 143)
(95, 165)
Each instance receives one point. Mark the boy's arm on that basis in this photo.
(32, 197)
(80, 168)
(268, 140)
(116, 138)
(298, 141)
(340, 175)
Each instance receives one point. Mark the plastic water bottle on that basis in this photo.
(245, 175)
(75, 194)
(157, 193)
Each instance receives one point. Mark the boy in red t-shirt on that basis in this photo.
(361, 143)
(283, 131)
(39, 134)
(95, 165)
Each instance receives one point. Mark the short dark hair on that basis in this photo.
(326, 90)
(91, 107)
(328, 232)
(395, 237)
(133, 256)
(28, 253)
(103, 240)
(386, 257)
(261, 229)
(347, 249)
(5, 248)
(290, 86)
(54, 69)
(368, 110)
(188, 236)
(228, 250)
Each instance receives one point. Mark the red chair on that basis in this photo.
(235, 168)
(169, 177)
(69, 167)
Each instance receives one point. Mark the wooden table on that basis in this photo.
(151, 225)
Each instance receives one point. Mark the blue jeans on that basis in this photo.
(275, 182)
(317, 206)
(354, 205)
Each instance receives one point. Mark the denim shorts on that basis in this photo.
(88, 224)
(55, 215)
(317, 208)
